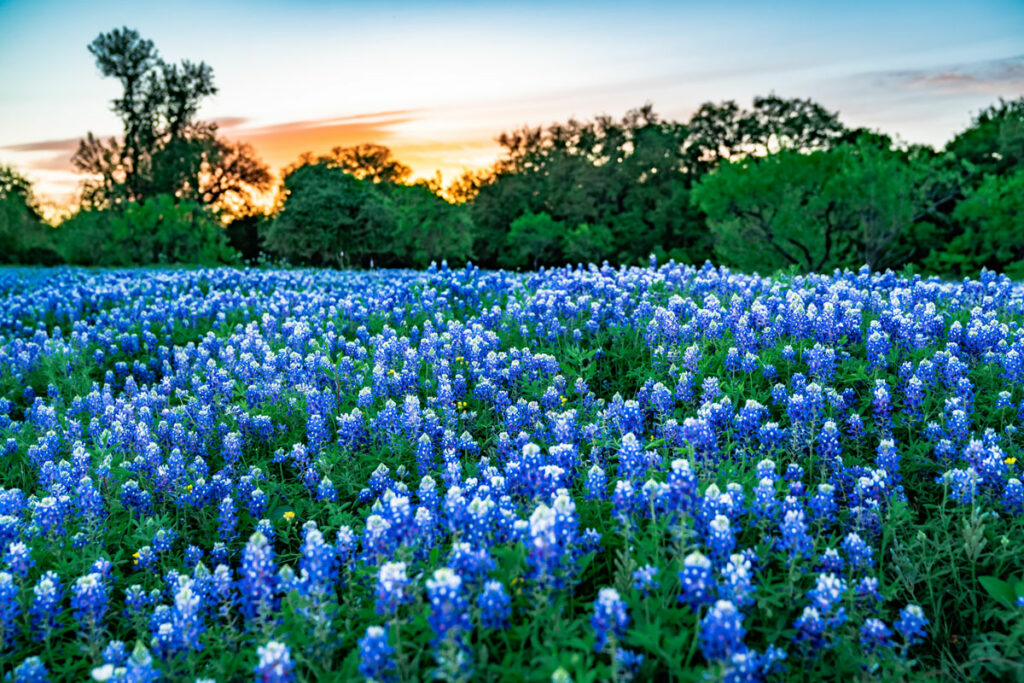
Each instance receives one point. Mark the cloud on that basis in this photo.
(281, 143)
(61, 145)
(992, 76)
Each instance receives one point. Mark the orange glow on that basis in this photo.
(280, 145)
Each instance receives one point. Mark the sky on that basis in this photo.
(438, 81)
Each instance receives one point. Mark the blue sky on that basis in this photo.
(438, 81)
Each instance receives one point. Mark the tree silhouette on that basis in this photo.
(164, 148)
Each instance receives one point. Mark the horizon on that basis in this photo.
(314, 75)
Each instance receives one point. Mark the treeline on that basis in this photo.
(783, 185)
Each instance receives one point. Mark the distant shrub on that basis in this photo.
(158, 230)
(23, 238)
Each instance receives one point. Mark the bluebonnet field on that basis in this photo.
(577, 474)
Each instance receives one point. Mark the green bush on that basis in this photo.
(843, 208)
(158, 230)
(23, 237)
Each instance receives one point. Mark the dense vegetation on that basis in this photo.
(781, 186)
(656, 473)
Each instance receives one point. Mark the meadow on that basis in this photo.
(573, 474)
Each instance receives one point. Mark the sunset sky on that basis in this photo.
(437, 81)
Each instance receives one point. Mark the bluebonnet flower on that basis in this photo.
(597, 483)
(89, 601)
(737, 580)
(257, 503)
(375, 655)
(875, 635)
(495, 605)
(18, 559)
(859, 553)
(448, 608)
(45, 608)
(10, 610)
(720, 537)
(31, 670)
(827, 592)
(696, 580)
(866, 592)
(552, 531)
(392, 587)
(610, 617)
(258, 581)
(627, 664)
(644, 579)
(275, 663)
(721, 631)
(794, 537)
(811, 631)
(911, 625)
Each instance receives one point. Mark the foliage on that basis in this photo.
(428, 228)
(534, 239)
(586, 243)
(158, 230)
(818, 211)
(994, 142)
(623, 175)
(727, 132)
(330, 217)
(992, 223)
(23, 236)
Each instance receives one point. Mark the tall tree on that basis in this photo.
(164, 147)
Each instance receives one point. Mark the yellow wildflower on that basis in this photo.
(289, 516)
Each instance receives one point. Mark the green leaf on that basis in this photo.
(999, 589)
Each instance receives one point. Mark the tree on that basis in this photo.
(725, 131)
(232, 177)
(23, 236)
(370, 162)
(586, 243)
(623, 175)
(14, 185)
(428, 228)
(467, 186)
(994, 142)
(846, 207)
(535, 239)
(161, 229)
(164, 148)
(992, 223)
(773, 213)
(331, 217)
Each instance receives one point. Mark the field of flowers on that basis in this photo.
(662, 473)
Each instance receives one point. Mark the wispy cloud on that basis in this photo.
(60, 145)
(990, 76)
